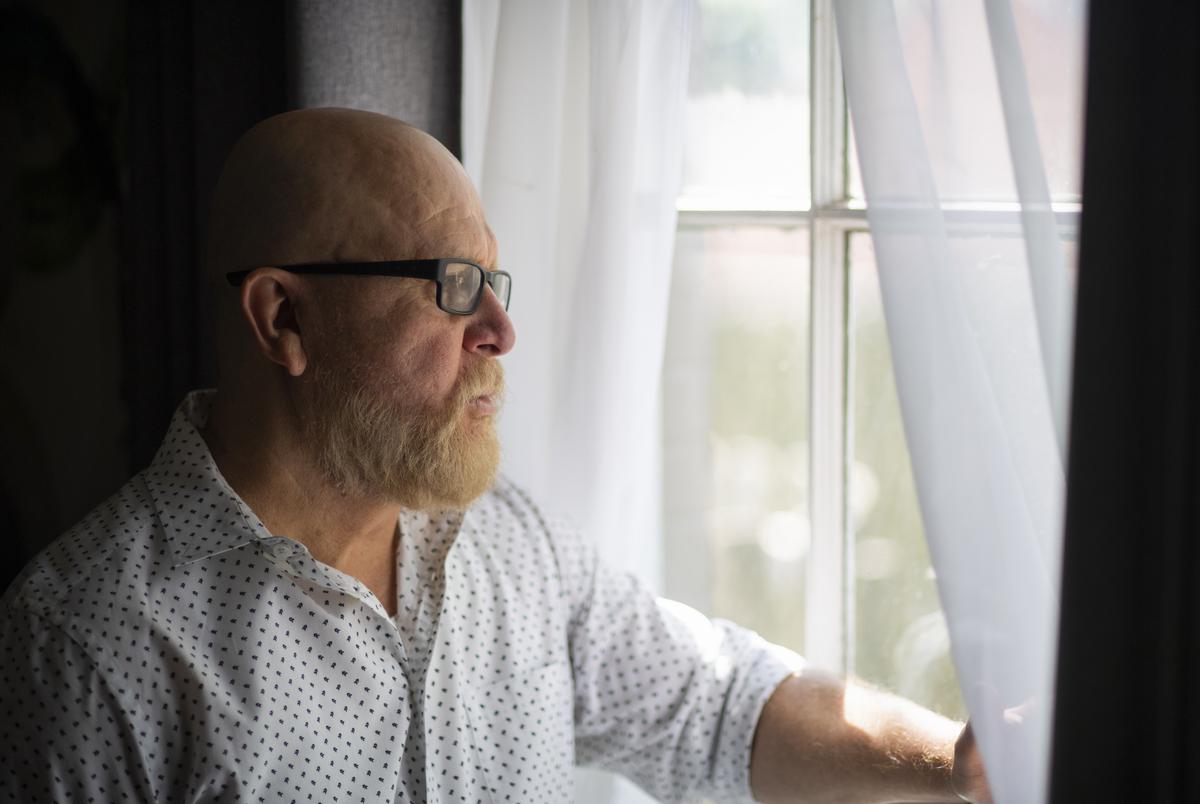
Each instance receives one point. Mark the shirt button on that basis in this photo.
(281, 551)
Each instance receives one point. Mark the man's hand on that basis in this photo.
(969, 776)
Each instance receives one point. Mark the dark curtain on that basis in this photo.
(201, 73)
(1128, 692)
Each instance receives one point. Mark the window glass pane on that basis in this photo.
(900, 639)
(747, 111)
(1052, 39)
(735, 422)
(951, 66)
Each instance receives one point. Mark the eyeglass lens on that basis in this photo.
(460, 286)
(501, 286)
(463, 282)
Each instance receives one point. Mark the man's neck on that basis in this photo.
(266, 467)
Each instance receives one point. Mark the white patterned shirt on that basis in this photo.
(168, 648)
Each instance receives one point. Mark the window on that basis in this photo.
(783, 440)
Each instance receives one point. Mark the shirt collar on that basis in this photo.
(198, 511)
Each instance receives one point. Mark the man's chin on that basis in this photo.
(458, 499)
(466, 474)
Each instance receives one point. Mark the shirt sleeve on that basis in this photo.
(664, 695)
(63, 734)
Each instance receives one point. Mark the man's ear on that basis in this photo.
(269, 298)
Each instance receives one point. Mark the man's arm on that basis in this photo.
(822, 739)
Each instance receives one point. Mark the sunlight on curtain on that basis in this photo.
(966, 114)
(571, 131)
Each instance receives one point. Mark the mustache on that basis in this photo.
(485, 378)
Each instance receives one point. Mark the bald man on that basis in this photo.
(320, 591)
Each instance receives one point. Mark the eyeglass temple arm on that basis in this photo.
(416, 269)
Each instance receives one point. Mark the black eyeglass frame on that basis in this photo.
(434, 269)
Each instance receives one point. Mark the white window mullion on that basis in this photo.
(827, 112)
(827, 611)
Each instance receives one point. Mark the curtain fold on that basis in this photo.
(572, 131)
(200, 74)
(979, 319)
(571, 127)
(397, 57)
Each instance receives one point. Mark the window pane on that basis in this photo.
(747, 111)
(736, 384)
(1052, 39)
(900, 640)
(950, 64)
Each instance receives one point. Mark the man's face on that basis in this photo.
(395, 398)
(400, 399)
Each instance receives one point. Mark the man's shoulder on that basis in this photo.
(112, 547)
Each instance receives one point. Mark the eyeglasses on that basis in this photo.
(459, 282)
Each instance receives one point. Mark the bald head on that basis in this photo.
(329, 185)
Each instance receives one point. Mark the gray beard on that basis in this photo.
(423, 460)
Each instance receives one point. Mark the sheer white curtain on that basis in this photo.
(571, 131)
(960, 106)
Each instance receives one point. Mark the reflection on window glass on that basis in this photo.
(900, 639)
(747, 109)
(744, 291)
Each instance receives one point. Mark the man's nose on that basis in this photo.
(490, 331)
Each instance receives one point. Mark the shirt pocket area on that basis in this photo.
(523, 730)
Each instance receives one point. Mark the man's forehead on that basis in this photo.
(329, 185)
(414, 192)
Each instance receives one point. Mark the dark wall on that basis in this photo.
(115, 119)
(63, 122)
